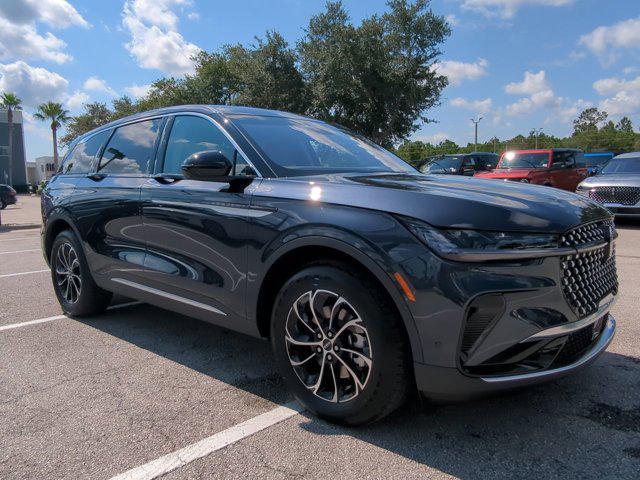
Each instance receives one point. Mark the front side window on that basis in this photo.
(299, 146)
(131, 148)
(190, 134)
(446, 164)
(80, 160)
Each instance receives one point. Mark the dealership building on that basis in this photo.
(18, 155)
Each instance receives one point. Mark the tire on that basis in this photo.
(77, 293)
(364, 326)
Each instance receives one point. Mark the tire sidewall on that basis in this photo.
(85, 275)
(337, 281)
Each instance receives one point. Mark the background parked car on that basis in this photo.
(558, 167)
(617, 186)
(7, 196)
(461, 164)
(595, 161)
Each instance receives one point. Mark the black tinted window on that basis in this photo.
(190, 135)
(80, 160)
(131, 148)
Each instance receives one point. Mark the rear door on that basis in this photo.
(107, 203)
(196, 231)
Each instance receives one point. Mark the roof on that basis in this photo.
(219, 109)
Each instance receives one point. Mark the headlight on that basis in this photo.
(477, 245)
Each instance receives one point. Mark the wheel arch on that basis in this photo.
(302, 251)
(56, 223)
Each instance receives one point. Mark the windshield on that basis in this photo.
(596, 161)
(524, 160)
(298, 146)
(446, 164)
(622, 165)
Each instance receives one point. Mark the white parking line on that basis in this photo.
(58, 317)
(23, 273)
(22, 251)
(180, 458)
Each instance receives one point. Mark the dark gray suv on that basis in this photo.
(367, 277)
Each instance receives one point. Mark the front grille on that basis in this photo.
(621, 195)
(588, 277)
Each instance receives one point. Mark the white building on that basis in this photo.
(39, 170)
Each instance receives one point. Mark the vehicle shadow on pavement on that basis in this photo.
(237, 360)
(585, 426)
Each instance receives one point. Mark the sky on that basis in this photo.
(519, 64)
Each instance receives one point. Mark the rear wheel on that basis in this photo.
(73, 284)
(339, 345)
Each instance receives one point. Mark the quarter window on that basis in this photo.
(190, 134)
(131, 148)
(80, 160)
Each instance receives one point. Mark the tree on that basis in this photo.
(378, 78)
(11, 102)
(94, 115)
(625, 125)
(52, 111)
(588, 120)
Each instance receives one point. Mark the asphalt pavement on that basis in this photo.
(98, 397)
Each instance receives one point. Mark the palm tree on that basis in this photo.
(11, 103)
(53, 111)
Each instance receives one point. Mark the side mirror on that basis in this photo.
(210, 165)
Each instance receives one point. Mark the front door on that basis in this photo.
(196, 231)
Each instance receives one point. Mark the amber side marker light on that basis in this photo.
(405, 286)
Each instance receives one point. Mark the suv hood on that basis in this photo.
(445, 200)
(614, 180)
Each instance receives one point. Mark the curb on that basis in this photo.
(19, 226)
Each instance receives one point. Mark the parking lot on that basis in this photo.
(98, 397)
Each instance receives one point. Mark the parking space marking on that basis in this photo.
(23, 273)
(170, 462)
(22, 251)
(58, 317)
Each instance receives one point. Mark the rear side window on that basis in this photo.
(80, 160)
(131, 148)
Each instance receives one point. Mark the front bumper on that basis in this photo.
(449, 384)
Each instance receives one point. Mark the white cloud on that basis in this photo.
(532, 83)
(457, 72)
(19, 36)
(76, 100)
(624, 95)
(477, 106)
(536, 91)
(508, 8)
(95, 84)
(154, 41)
(138, 91)
(452, 20)
(571, 112)
(34, 85)
(57, 13)
(606, 41)
(438, 137)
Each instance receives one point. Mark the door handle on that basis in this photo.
(167, 178)
(96, 177)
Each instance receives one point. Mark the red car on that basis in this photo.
(558, 167)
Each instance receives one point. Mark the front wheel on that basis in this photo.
(340, 345)
(73, 284)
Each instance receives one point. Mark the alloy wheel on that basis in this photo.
(328, 346)
(68, 273)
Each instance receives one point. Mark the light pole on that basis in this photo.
(475, 125)
(537, 131)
